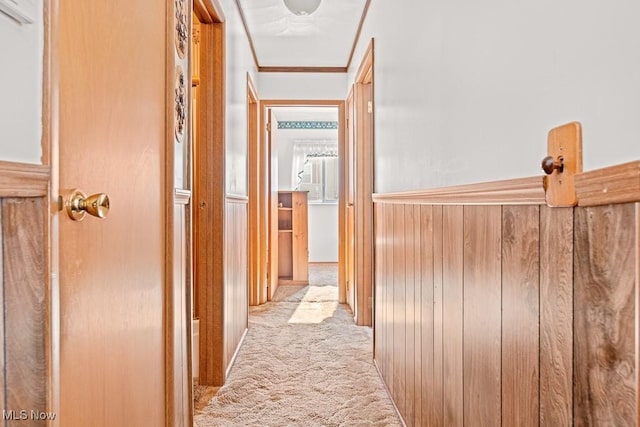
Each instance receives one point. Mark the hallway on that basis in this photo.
(303, 362)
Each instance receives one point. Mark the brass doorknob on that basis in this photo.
(78, 204)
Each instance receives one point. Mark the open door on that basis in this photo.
(121, 130)
(273, 209)
(349, 191)
(362, 167)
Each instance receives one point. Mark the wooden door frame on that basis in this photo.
(344, 272)
(364, 186)
(272, 251)
(257, 197)
(209, 193)
(50, 150)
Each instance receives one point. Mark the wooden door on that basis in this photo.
(273, 210)
(350, 195)
(111, 66)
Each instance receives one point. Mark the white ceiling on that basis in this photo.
(305, 114)
(323, 39)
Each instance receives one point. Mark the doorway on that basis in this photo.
(358, 213)
(305, 140)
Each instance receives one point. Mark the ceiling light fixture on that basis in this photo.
(302, 7)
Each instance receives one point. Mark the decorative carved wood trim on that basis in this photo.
(182, 29)
(181, 104)
(23, 179)
(522, 191)
(614, 184)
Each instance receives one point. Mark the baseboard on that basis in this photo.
(386, 389)
(235, 354)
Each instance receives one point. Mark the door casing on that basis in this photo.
(265, 118)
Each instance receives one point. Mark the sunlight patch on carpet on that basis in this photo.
(313, 312)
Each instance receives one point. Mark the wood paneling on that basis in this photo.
(482, 322)
(520, 315)
(387, 353)
(410, 222)
(605, 349)
(399, 308)
(416, 239)
(236, 298)
(3, 384)
(475, 313)
(426, 313)
(379, 284)
(24, 326)
(23, 180)
(180, 310)
(493, 311)
(452, 250)
(556, 316)
(437, 379)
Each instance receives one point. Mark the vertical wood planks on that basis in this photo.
(25, 310)
(426, 245)
(417, 313)
(556, 316)
(482, 319)
(410, 326)
(399, 309)
(520, 315)
(389, 293)
(479, 322)
(236, 277)
(437, 380)
(3, 384)
(378, 257)
(605, 389)
(637, 300)
(452, 250)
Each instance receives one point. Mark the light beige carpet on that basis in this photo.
(303, 363)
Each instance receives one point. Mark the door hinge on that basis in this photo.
(347, 123)
(269, 127)
(369, 107)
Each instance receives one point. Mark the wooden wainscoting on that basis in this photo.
(236, 288)
(25, 360)
(508, 312)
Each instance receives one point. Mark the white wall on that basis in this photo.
(21, 49)
(323, 218)
(466, 91)
(323, 233)
(239, 63)
(292, 86)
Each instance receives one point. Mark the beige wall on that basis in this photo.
(239, 63)
(21, 48)
(466, 91)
